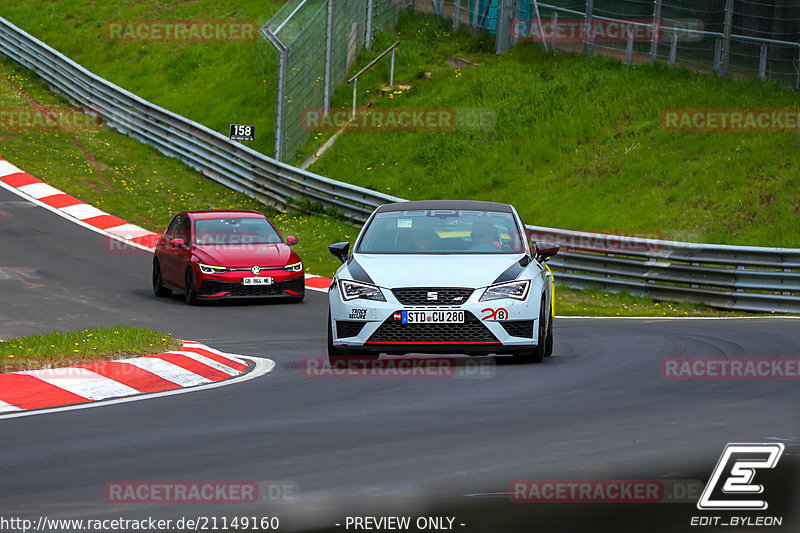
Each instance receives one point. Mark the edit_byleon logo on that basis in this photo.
(732, 484)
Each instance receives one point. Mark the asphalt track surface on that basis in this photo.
(597, 409)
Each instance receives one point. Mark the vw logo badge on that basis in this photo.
(256, 270)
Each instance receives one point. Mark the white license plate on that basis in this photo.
(432, 317)
(256, 281)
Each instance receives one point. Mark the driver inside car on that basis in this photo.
(484, 237)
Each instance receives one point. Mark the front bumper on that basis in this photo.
(504, 326)
(213, 288)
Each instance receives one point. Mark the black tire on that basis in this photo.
(336, 356)
(537, 354)
(189, 289)
(158, 283)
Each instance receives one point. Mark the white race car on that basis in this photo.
(442, 276)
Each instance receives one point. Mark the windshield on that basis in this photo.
(234, 231)
(442, 231)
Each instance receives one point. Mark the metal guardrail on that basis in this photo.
(730, 277)
(746, 278)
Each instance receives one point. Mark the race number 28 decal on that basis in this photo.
(494, 314)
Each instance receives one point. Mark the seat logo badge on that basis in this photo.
(433, 296)
(256, 270)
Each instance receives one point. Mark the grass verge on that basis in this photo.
(68, 348)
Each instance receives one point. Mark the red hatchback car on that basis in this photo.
(219, 254)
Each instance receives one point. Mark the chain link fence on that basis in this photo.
(737, 38)
(317, 42)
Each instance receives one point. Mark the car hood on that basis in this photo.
(263, 255)
(456, 270)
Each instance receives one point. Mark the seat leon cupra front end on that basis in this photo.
(443, 276)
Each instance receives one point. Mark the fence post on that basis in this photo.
(656, 31)
(673, 48)
(535, 9)
(726, 43)
(456, 14)
(554, 30)
(391, 72)
(370, 13)
(476, 7)
(629, 49)
(355, 98)
(588, 39)
(798, 70)
(501, 32)
(717, 54)
(279, 109)
(328, 59)
(762, 62)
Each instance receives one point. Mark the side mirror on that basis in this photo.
(291, 240)
(340, 250)
(545, 250)
(177, 243)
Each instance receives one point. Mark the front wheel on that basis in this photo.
(190, 290)
(158, 282)
(539, 352)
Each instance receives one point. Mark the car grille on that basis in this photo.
(394, 331)
(444, 296)
(348, 328)
(519, 328)
(210, 287)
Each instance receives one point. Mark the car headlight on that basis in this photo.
(350, 290)
(294, 267)
(518, 290)
(209, 269)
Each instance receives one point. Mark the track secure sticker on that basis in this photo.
(494, 314)
(357, 314)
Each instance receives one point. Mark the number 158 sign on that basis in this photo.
(241, 132)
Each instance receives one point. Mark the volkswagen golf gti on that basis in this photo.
(226, 254)
(442, 276)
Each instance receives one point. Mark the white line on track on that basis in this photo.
(5, 407)
(74, 220)
(316, 289)
(209, 362)
(82, 382)
(263, 366)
